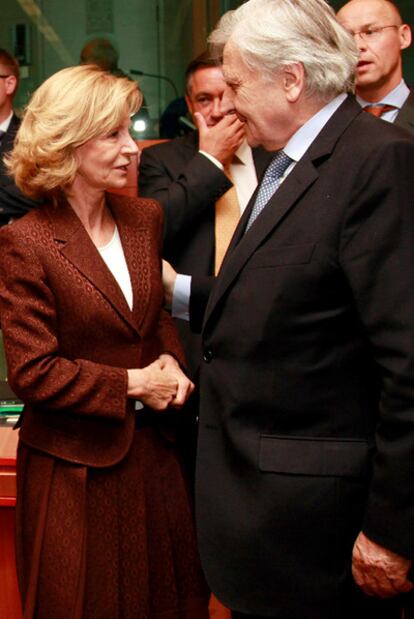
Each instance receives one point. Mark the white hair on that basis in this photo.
(273, 34)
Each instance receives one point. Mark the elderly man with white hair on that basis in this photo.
(304, 491)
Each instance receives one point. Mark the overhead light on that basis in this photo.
(139, 125)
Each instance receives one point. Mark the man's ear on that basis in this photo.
(293, 79)
(405, 36)
(10, 85)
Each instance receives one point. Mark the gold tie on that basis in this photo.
(379, 110)
(226, 219)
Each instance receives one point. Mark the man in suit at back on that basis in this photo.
(381, 36)
(305, 464)
(190, 175)
(9, 122)
(12, 202)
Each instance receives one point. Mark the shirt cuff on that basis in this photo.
(212, 159)
(181, 297)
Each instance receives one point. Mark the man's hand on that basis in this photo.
(222, 140)
(378, 571)
(169, 275)
(185, 386)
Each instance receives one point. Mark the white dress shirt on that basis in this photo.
(243, 172)
(114, 258)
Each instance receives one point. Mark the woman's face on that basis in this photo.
(104, 161)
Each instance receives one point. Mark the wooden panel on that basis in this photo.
(145, 143)
(8, 446)
(10, 607)
(9, 593)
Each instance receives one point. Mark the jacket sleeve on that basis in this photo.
(377, 255)
(200, 292)
(37, 373)
(184, 191)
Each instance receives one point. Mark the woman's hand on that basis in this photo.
(153, 386)
(185, 386)
(160, 384)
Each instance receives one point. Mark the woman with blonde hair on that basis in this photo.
(104, 525)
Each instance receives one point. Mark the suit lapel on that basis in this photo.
(77, 247)
(134, 237)
(304, 174)
(244, 245)
(6, 143)
(405, 118)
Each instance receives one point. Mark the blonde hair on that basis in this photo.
(73, 106)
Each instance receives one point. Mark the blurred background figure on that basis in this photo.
(9, 122)
(13, 203)
(175, 120)
(381, 36)
(104, 54)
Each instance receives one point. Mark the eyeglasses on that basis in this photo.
(372, 32)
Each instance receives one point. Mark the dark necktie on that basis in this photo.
(379, 110)
(269, 185)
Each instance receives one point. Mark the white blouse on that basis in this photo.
(114, 257)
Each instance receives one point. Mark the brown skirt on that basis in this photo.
(113, 543)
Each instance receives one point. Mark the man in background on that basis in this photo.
(381, 36)
(103, 53)
(12, 202)
(9, 122)
(203, 180)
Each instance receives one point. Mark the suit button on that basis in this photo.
(207, 355)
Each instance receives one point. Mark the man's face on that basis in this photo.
(261, 104)
(380, 66)
(7, 88)
(207, 86)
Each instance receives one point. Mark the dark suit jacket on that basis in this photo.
(307, 388)
(187, 184)
(69, 334)
(13, 203)
(405, 117)
(6, 144)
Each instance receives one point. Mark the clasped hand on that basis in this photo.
(160, 384)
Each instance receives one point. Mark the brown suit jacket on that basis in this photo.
(69, 334)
